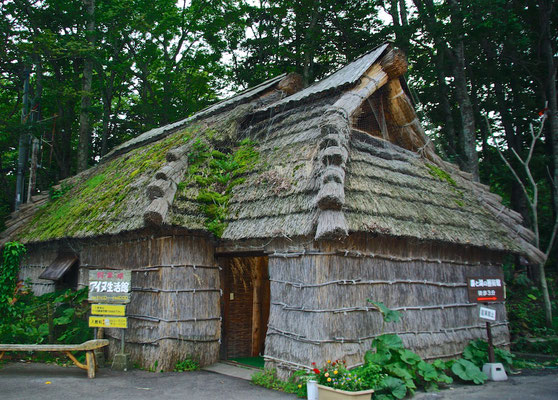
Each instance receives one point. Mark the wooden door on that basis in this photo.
(245, 306)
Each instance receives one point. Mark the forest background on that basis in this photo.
(78, 77)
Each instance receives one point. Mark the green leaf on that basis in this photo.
(61, 321)
(409, 357)
(395, 386)
(380, 357)
(388, 342)
(468, 371)
(427, 371)
(387, 314)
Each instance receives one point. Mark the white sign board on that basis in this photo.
(109, 286)
(487, 313)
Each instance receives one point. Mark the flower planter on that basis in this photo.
(328, 393)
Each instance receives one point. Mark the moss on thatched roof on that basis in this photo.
(104, 199)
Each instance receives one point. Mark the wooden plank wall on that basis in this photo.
(35, 261)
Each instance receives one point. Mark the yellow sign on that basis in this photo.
(108, 322)
(108, 309)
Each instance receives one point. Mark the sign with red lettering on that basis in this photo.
(485, 289)
(106, 286)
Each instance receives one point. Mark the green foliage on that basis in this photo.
(59, 317)
(187, 364)
(25, 318)
(477, 352)
(543, 345)
(529, 363)
(441, 175)
(11, 258)
(388, 315)
(55, 194)
(467, 371)
(217, 173)
(403, 370)
(296, 383)
(524, 306)
(370, 374)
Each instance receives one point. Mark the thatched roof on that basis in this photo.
(346, 154)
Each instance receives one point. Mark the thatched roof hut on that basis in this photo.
(263, 224)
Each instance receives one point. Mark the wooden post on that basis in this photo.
(256, 304)
(491, 358)
(50, 323)
(90, 358)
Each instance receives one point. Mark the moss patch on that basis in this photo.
(106, 197)
(212, 175)
(441, 174)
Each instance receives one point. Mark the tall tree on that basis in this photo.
(85, 117)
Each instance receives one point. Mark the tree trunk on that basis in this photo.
(426, 14)
(468, 137)
(106, 123)
(309, 47)
(550, 88)
(84, 117)
(23, 141)
(545, 8)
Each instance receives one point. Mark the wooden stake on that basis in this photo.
(491, 358)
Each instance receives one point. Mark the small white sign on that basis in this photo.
(487, 313)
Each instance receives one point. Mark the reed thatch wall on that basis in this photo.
(319, 307)
(174, 311)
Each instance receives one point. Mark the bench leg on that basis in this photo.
(91, 364)
(1, 354)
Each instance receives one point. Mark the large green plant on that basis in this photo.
(13, 251)
(477, 352)
(58, 317)
(405, 371)
(402, 371)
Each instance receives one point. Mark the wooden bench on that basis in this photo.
(89, 347)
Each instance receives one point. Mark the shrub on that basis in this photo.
(186, 365)
(477, 352)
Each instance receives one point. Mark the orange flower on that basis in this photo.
(329, 361)
(329, 379)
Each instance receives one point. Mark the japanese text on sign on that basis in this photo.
(108, 309)
(108, 322)
(487, 313)
(485, 289)
(485, 282)
(108, 286)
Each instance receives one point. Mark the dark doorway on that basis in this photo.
(245, 306)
